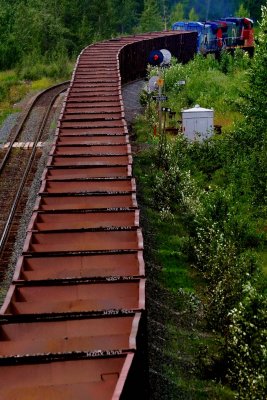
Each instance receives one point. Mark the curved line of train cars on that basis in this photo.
(72, 325)
(226, 33)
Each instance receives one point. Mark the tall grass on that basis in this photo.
(220, 85)
(30, 76)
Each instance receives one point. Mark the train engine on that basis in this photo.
(226, 33)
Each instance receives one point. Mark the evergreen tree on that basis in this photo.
(193, 15)
(254, 8)
(177, 13)
(150, 19)
(8, 53)
(100, 16)
(38, 29)
(44, 27)
(129, 18)
(242, 11)
(257, 104)
(252, 137)
(123, 15)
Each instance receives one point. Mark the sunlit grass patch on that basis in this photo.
(17, 92)
(227, 119)
(42, 83)
(14, 86)
(7, 75)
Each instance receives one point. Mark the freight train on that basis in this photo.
(226, 33)
(73, 324)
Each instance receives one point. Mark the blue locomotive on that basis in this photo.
(226, 33)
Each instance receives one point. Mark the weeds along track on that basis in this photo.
(73, 321)
(19, 159)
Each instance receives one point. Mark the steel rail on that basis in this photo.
(22, 123)
(10, 218)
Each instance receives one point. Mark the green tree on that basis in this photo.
(123, 15)
(249, 141)
(242, 11)
(150, 19)
(257, 105)
(85, 31)
(38, 30)
(8, 53)
(100, 18)
(177, 13)
(254, 8)
(257, 113)
(193, 15)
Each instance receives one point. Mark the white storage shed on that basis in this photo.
(198, 122)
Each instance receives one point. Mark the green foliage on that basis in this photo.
(221, 239)
(257, 98)
(40, 27)
(124, 15)
(218, 84)
(188, 352)
(222, 232)
(177, 13)
(254, 8)
(247, 345)
(252, 136)
(11, 91)
(193, 15)
(242, 11)
(32, 69)
(217, 187)
(207, 10)
(150, 18)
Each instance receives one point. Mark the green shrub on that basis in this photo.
(55, 70)
(247, 345)
(218, 189)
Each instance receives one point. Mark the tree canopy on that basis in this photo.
(45, 29)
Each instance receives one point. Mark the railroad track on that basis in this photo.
(18, 165)
(73, 321)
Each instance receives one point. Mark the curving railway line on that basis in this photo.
(73, 324)
(17, 166)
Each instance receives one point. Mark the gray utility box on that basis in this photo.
(197, 122)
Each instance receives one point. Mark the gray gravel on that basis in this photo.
(28, 211)
(130, 95)
(7, 126)
(29, 133)
(18, 246)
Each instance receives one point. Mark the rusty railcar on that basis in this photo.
(73, 321)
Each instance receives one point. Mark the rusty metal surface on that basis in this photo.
(85, 240)
(68, 380)
(72, 318)
(90, 297)
(81, 172)
(54, 221)
(68, 336)
(113, 146)
(90, 266)
(86, 202)
(101, 186)
(59, 161)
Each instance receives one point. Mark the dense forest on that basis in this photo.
(50, 30)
